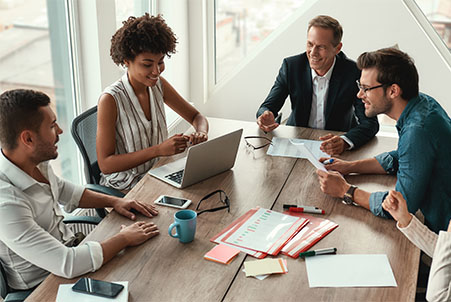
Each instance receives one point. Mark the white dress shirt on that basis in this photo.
(439, 248)
(320, 86)
(32, 234)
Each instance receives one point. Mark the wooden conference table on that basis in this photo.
(163, 269)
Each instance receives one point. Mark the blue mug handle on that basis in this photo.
(177, 230)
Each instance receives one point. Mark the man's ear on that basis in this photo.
(394, 91)
(338, 48)
(27, 138)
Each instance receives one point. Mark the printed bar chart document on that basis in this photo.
(266, 231)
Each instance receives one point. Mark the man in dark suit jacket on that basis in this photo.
(322, 87)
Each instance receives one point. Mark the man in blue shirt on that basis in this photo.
(422, 163)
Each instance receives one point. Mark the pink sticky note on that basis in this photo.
(222, 254)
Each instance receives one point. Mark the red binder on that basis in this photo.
(316, 229)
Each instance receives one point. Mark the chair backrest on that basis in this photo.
(84, 131)
(3, 284)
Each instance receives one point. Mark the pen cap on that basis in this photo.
(287, 206)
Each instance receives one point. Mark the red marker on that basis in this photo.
(306, 210)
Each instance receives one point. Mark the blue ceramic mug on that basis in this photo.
(185, 224)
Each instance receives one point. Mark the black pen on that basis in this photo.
(331, 250)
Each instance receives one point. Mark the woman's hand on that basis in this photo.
(197, 137)
(173, 145)
(396, 205)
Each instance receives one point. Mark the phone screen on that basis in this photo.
(173, 201)
(97, 287)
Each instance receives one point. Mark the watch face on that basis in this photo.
(346, 201)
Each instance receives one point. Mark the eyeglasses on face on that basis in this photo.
(366, 89)
(248, 139)
(222, 197)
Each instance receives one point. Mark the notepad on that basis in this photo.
(264, 267)
(222, 253)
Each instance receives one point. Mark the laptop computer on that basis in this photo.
(202, 161)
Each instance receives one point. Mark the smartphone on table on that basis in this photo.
(175, 202)
(97, 287)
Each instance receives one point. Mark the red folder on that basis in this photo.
(316, 229)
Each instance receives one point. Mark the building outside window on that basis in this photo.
(242, 24)
(34, 54)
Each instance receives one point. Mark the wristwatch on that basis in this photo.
(349, 195)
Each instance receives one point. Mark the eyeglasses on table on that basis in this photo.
(249, 144)
(222, 197)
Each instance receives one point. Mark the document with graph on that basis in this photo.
(266, 231)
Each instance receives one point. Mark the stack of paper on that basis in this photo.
(265, 267)
(222, 254)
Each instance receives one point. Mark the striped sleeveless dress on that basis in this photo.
(133, 131)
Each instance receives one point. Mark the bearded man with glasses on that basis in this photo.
(389, 85)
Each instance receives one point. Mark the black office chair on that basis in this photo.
(84, 131)
(18, 296)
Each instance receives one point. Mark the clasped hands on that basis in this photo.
(332, 144)
(179, 142)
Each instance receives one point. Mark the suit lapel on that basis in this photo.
(334, 85)
(307, 88)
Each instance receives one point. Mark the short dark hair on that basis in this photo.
(142, 34)
(394, 67)
(19, 111)
(328, 22)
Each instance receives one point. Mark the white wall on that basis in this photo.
(368, 25)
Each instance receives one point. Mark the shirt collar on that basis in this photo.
(328, 74)
(405, 113)
(16, 176)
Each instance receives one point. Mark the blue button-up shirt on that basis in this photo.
(422, 162)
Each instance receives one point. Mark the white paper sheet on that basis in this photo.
(350, 271)
(311, 158)
(65, 293)
(287, 147)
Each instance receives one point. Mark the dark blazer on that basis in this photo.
(344, 111)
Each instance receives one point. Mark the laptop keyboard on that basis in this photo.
(176, 176)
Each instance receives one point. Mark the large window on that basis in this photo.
(34, 54)
(438, 13)
(242, 24)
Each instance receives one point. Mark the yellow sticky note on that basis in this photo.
(264, 267)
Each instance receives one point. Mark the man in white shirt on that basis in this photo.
(322, 87)
(33, 239)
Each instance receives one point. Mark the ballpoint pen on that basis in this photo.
(331, 250)
(306, 210)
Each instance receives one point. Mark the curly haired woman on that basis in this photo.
(131, 127)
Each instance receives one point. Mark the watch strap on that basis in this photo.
(349, 195)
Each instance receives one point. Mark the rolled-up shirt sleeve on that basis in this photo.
(389, 162)
(70, 194)
(30, 241)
